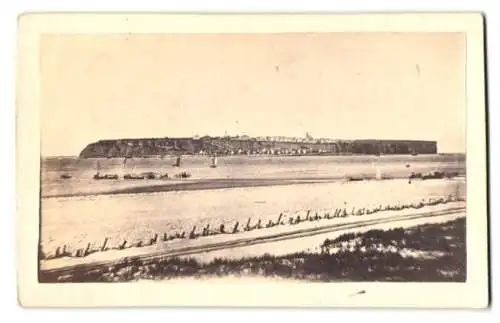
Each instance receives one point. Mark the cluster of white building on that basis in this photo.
(264, 151)
(308, 139)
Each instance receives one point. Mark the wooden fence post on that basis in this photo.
(247, 227)
(86, 252)
(192, 234)
(122, 246)
(279, 219)
(104, 244)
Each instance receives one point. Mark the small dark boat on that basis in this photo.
(98, 176)
(414, 175)
(149, 175)
(434, 175)
(66, 176)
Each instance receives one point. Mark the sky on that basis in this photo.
(334, 85)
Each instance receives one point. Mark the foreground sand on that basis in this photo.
(409, 252)
(277, 240)
(310, 242)
(73, 223)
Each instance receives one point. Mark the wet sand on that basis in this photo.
(143, 186)
(74, 222)
(212, 184)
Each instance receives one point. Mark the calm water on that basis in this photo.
(238, 167)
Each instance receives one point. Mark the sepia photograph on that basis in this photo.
(294, 155)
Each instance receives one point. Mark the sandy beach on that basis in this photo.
(89, 224)
(277, 240)
(89, 220)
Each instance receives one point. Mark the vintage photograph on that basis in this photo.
(311, 157)
(336, 156)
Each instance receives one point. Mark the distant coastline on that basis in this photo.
(244, 145)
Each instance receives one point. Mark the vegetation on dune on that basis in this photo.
(431, 252)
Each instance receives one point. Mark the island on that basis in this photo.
(244, 145)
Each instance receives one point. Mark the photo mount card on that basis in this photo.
(252, 160)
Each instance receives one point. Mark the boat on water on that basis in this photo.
(178, 162)
(99, 176)
(149, 175)
(66, 176)
(214, 162)
(133, 176)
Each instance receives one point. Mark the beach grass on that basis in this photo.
(424, 253)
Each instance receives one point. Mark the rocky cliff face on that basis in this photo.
(149, 147)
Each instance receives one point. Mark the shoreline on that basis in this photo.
(197, 185)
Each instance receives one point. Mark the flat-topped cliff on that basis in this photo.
(149, 147)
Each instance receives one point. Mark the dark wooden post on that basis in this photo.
(192, 234)
(86, 252)
(279, 219)
(104, 244)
